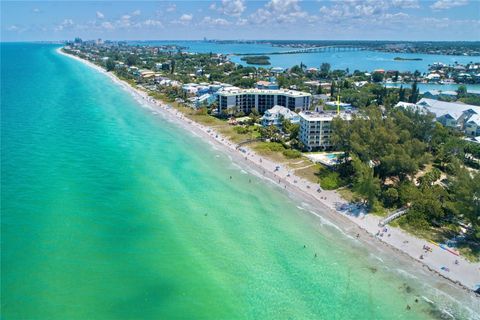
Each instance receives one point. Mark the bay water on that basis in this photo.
(364, 60)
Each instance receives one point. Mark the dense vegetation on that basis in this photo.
(402, 158)
(259, 60)
(407, 59)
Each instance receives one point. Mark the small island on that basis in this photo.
(407, 59)
(259, 60)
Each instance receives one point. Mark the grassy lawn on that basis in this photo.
(471, 254)
(347, 194)
(310, 173)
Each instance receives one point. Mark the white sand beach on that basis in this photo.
(363, 227)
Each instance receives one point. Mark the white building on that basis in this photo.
(472, 126)
(464, 117)
(316, 128)
(275, 115)
(246, 100)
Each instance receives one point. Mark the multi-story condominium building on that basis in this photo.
(246, 100)
(316, 128)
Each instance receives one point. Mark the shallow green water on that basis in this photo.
(111, 212)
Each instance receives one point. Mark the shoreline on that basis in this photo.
(465, 275)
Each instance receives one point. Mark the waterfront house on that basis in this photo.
(461, 116)
(266, 85)
(450, 114)
(190, 88)
(146, 74)
(277, 70)
(275, 115)
(433, 77)
(472, 126)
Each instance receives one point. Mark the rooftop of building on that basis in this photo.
(440, 108)
(474, 119)
(275, 110)
(289, 92)
(324, 116)
(435, 92)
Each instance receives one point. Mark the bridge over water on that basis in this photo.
(337, 48)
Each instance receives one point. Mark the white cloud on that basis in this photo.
(447, 4)
(136, 13)
(209, 21)
(13, 28)
(172, 8)
(107, 25)
(100, 15)
(66, 24)
(280, 11)
(124, 21)
(232, 8)
(241, 22)
(36, 10)
(186, 18)
(153, 23)
(355, 9)
(406, 4)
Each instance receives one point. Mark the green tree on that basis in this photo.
(296, 69)
(290, 128)
(332, 90)
(325, 69)
(464, 187)
(270, 133)
(390, 197)
(415, 93)
(365, 183)
(395, 77)
(462, 91)
(401, 94)
(131, 60)
(110, 65)
(377, 77)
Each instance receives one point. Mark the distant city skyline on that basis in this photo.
(415, 20)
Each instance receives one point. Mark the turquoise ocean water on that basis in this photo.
(111, 212)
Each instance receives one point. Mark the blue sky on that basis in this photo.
(241, 19)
